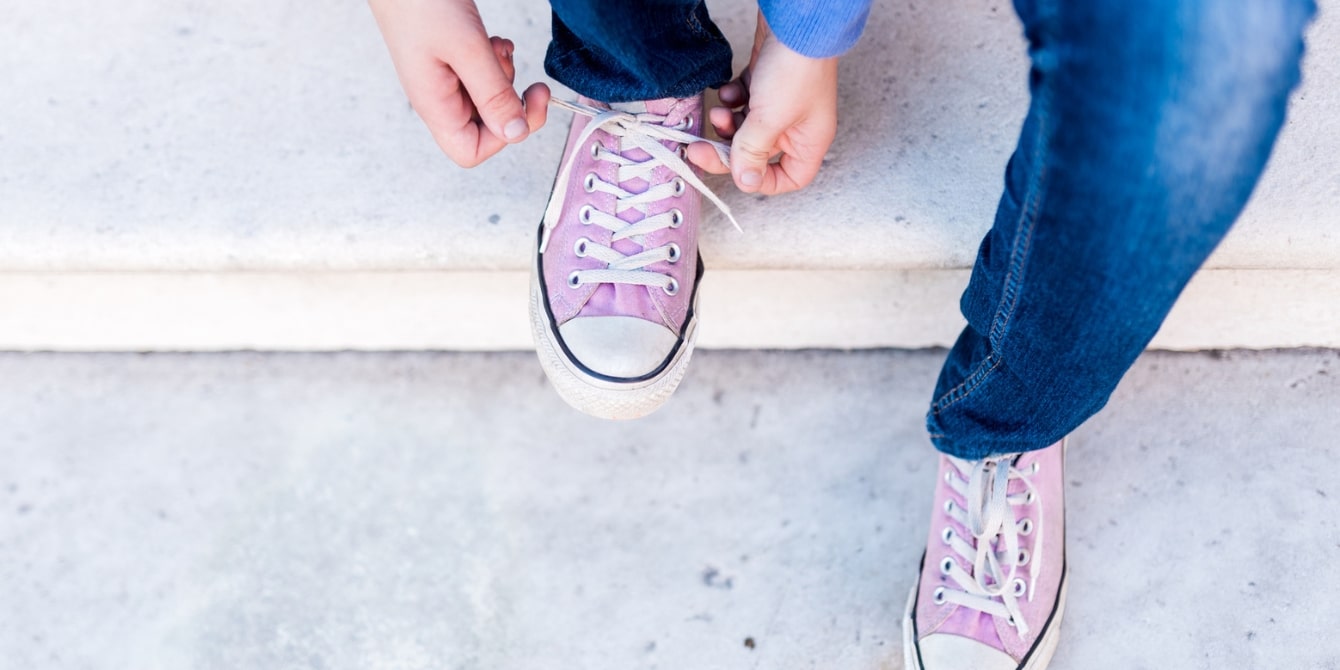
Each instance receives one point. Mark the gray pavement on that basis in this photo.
(447, 511)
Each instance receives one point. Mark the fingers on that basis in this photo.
(457, 78)
(537, 105)
(791, 173)
(469, 145)
(753, 144)
(502, 51)
(489, 84)
(783, 103)
(705, 156)
(474, 143)
(802, 145)
(436, 95)
(724, 121)
(734, 94)
(459, 125)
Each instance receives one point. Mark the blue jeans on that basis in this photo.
(626, 50)
(1149, 124)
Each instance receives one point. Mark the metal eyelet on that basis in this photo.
(584, 214)
(949, 506)
(679, 186)
(1029, 498)
(590, 182)
(946, 565)
(1019, 587)
(676, 218)
(672, 287)
(688, 123)
(947, 535)
(1023, 558)
(1026, 527)
(595, 150)
(579, 247)
(674, 253)
(938, 595)
(1010, 621)
(573, 280)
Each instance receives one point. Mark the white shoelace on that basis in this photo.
(993, 550)
(637, 131)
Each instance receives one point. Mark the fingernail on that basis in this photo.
(514, 129)
(751, 179)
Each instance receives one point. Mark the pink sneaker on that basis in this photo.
(614, 293)
(993, 578)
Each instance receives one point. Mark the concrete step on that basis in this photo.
(154, 143)
(417, 511)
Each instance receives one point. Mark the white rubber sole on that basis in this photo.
(1042, 654)
(599, 397)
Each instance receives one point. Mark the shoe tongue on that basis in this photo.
(625, 299)
(674, 109)
(636, 107)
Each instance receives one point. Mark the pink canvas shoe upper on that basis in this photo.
(622, 237)
(995, 554)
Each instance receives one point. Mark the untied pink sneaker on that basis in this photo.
(993, 579)
(614, 292)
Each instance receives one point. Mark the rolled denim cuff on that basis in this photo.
(621, 51)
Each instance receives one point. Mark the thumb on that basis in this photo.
(752, 146)
(491, 91)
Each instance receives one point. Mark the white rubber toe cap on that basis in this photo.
(618, 346)
(953, 652)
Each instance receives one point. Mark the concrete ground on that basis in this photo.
(447, 511)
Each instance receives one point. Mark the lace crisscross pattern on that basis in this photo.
(995, 519)
(646, 132)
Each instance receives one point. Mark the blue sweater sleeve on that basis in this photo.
(816, 28)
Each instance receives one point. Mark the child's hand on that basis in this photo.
(783, 102)
(458, 78)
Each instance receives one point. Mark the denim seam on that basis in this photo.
(1023, 236)
(1023, 242)
(696, 26)
(1009, 299)
(968, 385)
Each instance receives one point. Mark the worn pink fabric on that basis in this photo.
(560, 260)
(953, 619)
